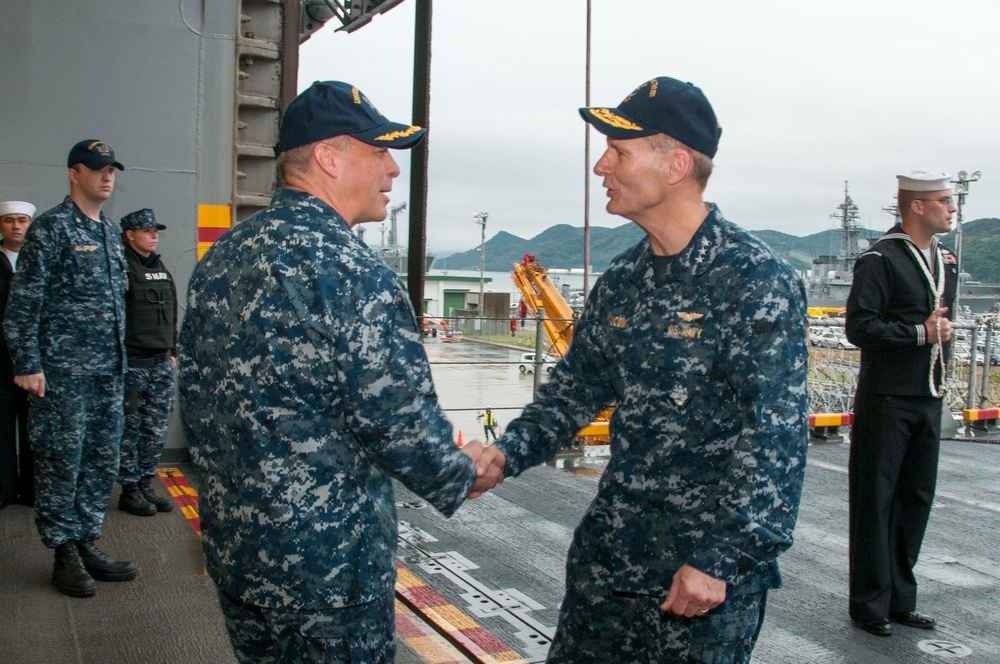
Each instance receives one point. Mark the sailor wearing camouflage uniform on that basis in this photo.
(65, 326)
(698, 336)
(304, 388)
(150, 342)
(898, 314)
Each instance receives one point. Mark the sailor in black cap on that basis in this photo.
(899, 313)
(151, 342)
(303, 374)
(65, 326)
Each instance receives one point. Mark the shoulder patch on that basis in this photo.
(870, 252)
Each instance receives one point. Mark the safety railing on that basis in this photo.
(972, 378)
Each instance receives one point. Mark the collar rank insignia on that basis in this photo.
(618, 321)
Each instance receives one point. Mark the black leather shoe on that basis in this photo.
(69, 575)
(102, 566)
(913, 619)
(878, 627)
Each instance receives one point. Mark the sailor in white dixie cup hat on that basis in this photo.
(899, 312)
(15, 217)
(16, 461)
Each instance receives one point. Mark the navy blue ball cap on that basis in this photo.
(140, 219)
(92, 153)
(334, 108)
(663, 105)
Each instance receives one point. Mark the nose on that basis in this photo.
(603, 165)
(393, 169)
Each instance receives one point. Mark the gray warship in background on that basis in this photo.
(392, 253)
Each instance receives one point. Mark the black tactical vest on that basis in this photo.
(150, 306)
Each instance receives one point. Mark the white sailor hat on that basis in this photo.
(924, 179)
(17, 207)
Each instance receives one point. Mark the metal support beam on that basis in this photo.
(419, 155)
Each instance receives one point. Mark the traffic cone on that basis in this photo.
(460, 443)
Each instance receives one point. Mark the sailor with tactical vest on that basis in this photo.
(150, 341)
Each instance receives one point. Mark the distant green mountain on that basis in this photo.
(980, 249)
(561, 246)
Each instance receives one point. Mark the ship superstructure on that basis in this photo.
(831, 276)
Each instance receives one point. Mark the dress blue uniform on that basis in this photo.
(17, 465)
(304, 387)
(66, 319)
(705, 356)
(897, 417)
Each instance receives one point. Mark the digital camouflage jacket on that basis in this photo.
(67, 305)
(304, 387)
(706, 363)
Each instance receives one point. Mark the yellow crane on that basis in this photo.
(538, 292)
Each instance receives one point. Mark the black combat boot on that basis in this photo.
(102, 566)
(161, 504)
(133, 501)
(69, 575)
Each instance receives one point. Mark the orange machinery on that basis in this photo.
(538, 292)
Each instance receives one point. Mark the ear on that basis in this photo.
(679, 163)
(327, 158)
(71, 172)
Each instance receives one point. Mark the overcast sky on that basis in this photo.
(808, 94)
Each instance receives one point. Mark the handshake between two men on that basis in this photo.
(692, 592)
(490, 463)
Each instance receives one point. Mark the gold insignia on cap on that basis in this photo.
(393, 135)
(652, 87)
(687, 317)
(613, 119)
(357, 95)
(101, 148)
(360, 97)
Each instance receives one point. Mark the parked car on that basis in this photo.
(830, 337)
(528, 362)
(994, 354)
(962, 354)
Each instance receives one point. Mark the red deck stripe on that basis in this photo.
(475, 642)
(182, 493)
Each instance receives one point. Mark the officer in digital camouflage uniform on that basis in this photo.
(698, 336)
(150, 342)
(65, 326)
(899, 314)
(303, 388)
